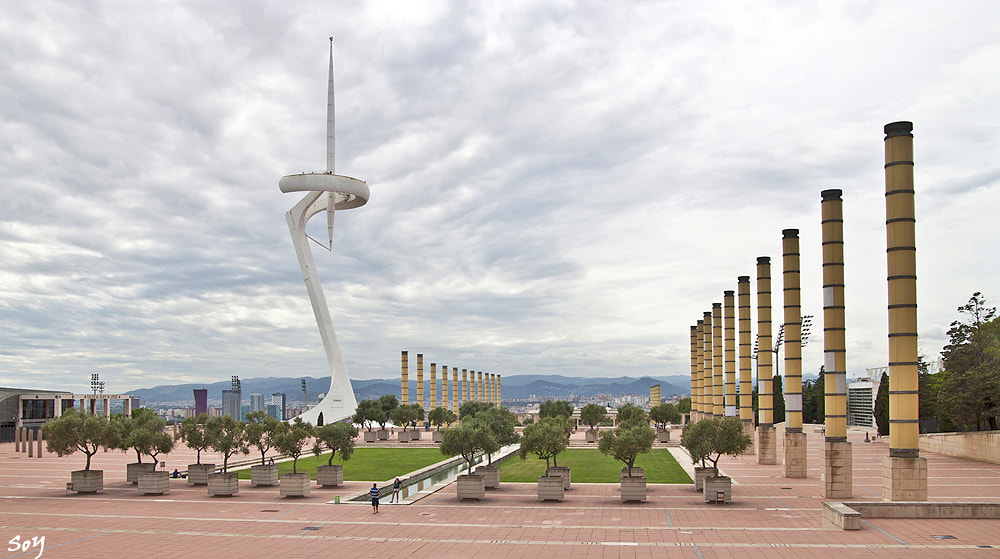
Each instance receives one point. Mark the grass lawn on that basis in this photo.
(590, 466)
(368, 464)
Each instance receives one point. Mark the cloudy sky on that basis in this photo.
(557, 187)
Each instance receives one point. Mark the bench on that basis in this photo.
(838, 516)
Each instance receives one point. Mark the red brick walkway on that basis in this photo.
(770, 516)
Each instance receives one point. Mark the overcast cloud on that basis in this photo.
(557, 187)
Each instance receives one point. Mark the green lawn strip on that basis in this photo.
(590, 466)
(368, 464)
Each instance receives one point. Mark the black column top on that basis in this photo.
(902, 128)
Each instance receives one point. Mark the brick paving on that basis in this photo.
(770, 516)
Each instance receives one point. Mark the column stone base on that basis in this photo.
(837, 474)
(904, 479)
(767, 452)
(795, 455)
(748, 431)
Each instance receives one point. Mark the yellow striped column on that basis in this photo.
(904, 472)
(694, 372)
(464, 390)
(795, 461)
(444, 387)
(420, 380)
(766, 443)
(434, 400)
(699, 387)
(474, 395)
(499, 397)
(837, 472)
(729, 319)
(493, 390)
(654, 396)
(746, 361)
(708, 378)
(718, 399)
(405, 388)
(456, 386)
(481, 393)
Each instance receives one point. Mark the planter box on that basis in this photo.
(700, 474)
(198, 473)
(403, 436)
(370, 436)
(560, 471)
(437, 437)
(718, 486)
(551, 488)
(663, 436)
(154, 483)
(263, 475)
(633, 489)
(223, 485)
(591, 436)
(414, 435)
(636, 472)
(87, 481)
(294, 485)
(470, 486)
(491, 476)
(383, 434)
(133, 470)
(329, 476)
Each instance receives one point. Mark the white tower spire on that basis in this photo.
(331, 117)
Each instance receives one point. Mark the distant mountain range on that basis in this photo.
(512, 387)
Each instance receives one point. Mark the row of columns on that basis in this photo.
(487, 389)
(715, 394)
(26, 439)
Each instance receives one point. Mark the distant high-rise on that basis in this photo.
(200, 401)
(256, 402)
(278, 401)
(231, 400)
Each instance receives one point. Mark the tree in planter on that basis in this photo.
(629, 414)
(500, 422)
(75, 431)
(467, 440)
(335, 437)
(715, 436)
(663, 414)
(192, 432)
(440, 416)
(387, 403)
(627, 442)
(226, 436)
(260, 431)
(593, 415)
(546, 439)
(291, 440)
(142, 432)
(367, 414)
(407, 414)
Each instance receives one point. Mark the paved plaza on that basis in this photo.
(770, 516)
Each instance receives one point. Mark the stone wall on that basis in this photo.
(979, 445)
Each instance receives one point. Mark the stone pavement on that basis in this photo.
(770, 516)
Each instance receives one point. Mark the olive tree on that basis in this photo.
(335, 437)
(440, 416)
(546, 439)
(291, 439)
(593, 415)
(192, 432)
(260, 431)
(467, 440)
(663, 414)
(226, 436)
(627, 442)
(716, 437)
(74, 431)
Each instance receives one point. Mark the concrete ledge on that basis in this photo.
(839, 516)
(926, 509)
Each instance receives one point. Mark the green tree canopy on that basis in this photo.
(707, 440)
(629, 414)
(970, 389)
(260, 431)
(335, 437)
(225, 435)
(881, 411)
(684, 405)
(369, 412)
(406, 414)
(143, 432)
(388, 403)
(292, 439)
(546, 439)
(501, 423)
(778, 402)
(467, 440)
(470, 409)
(74, 431)
(440, 416)
(192, 432)
(814, 399)
(663, 414)
(593, 415)
(627, 442)
(551, 408)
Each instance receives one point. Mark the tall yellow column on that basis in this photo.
(405, 389)
(481, 392)
(464, 391)
(444, 387)
(456, 386)
(654, 396)
(420, 380)
(718, 400)
(766, 443)
(746, 361)
(493, 390)
(904, 471)
(837, 473)
(729, 319)
(708, 371)
(434, 400)
(795, 461)
(471, 392)
(694, 372)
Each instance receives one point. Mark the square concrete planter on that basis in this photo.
(663, 436)
(294, 485)
(591, 436)
(403, 436)
(470, 486)
(154, 483)
(383, 434)
(562, 471)
(415, 435)
(437, 437)
(701, 473)
(491, 476)
(223, 485)
(718, 486)
(370, 436)
(551, 488)
(198, 473)
(633, 488)
(264, 475)
(329, 476)
(636, 472)
(87, 481)
(133, 470)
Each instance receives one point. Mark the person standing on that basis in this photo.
(374, 493)
(395, 491)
